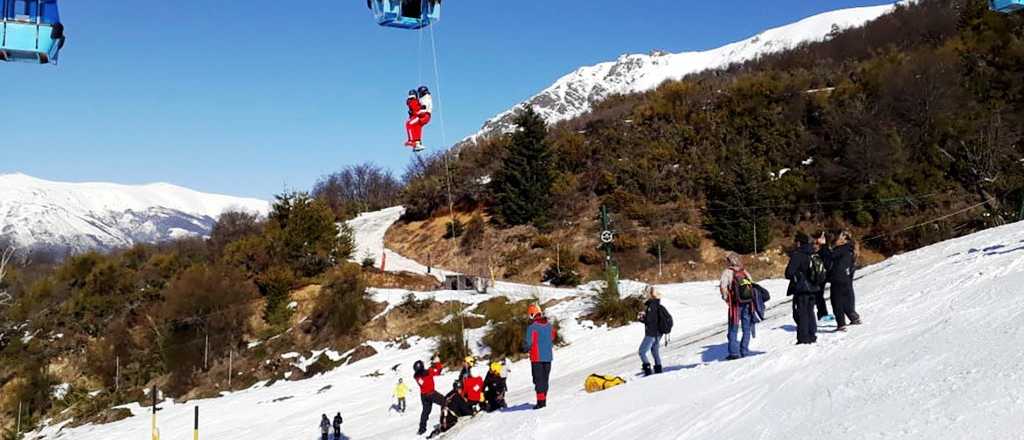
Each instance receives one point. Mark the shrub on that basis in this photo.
(686, 239)
(541, 242)
(609, 308)
(342, 305)
(413, 306)
(591, 257)
(368, 262)
(505, 338)
(276, 285)
(451, 344)
(203, 301)
(453, 229)
(231, 227)
(563, 272)
(657, 246)
(474, 234)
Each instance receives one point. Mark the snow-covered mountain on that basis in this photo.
(55, 216)
(574, 94)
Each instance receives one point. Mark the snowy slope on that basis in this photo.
(370, 228)
(36, 213)
(938, 357)
(574, 94)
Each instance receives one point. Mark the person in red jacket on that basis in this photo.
(419, 119)
(428, 394)
(473, 391)
(413, 103)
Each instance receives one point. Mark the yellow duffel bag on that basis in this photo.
(601, 382)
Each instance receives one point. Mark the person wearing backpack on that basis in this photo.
(803, 289)
(737, 289)
(841, 276)
(657, 322)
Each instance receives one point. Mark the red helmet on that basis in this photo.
(533, 310)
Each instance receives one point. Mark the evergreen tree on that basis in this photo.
(523, 182)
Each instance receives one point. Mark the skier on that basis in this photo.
(495, 386)
(400, 391)
(337, 426)
(539, 341)
(412, 101)
(734, 277)
(325, 427)
(650, 316)
(841, 277)
(802, 290)
(428, 395)
(415, 124)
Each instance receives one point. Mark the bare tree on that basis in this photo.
(6, 256)
(359, 188)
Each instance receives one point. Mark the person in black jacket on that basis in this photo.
(495, 387)
(652, 331)
(325, 427)
(337, 426)
(802, 290)
(840, 275)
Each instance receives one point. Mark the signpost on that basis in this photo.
(607, 243)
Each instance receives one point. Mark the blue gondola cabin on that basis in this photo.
(30, 31)
(405, 14)
(1007, 6)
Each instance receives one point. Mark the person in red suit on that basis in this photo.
(419, 116)
(428, 394)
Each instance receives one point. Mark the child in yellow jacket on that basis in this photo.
(400, 391)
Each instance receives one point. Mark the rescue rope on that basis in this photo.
(448, 177)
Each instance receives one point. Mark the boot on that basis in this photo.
(647, 369)
(540, 404)
(657, 369)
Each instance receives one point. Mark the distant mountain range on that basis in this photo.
(575, 94)
(41, 215)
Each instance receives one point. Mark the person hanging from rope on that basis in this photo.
(419, 117)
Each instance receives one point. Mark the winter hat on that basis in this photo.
(734, 259)
(533, 310)
(651, 292)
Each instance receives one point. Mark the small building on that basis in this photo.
(465, 282)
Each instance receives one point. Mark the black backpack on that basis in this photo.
(817, 274)
(664, 320)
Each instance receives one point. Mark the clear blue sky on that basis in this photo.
(248, 97)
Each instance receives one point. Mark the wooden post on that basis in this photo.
(558, 258)
(659, 260)
(231, 357)
(206, 353)
(117, 374)
(18, 431)
(156, 432)
(753, 217)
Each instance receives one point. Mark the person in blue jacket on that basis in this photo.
(539, 342)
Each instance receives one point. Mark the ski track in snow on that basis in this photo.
(938, 357)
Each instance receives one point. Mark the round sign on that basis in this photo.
(607, 236)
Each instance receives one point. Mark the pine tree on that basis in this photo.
(523, 183)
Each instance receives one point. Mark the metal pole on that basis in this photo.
(117, 374)
(195, 431)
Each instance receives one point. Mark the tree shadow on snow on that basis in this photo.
(519, 407)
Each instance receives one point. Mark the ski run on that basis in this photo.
(938, 356)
